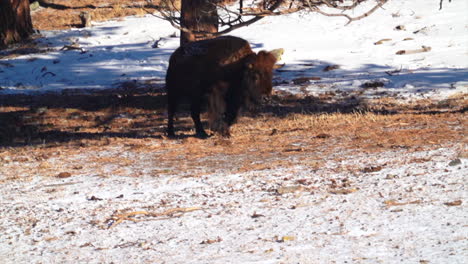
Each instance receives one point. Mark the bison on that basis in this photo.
(223, 70)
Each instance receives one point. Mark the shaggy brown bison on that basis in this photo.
(223, 70)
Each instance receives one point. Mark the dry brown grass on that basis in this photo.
(63, 14)
(44, 141)
(41, 135)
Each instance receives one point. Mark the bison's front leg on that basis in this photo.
(195, 113)
(233, 105)
(217, 108)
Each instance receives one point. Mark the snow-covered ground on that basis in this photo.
(119, 51)
(405, 208)
(408, 211)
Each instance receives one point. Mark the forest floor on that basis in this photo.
(92, 178)
(89, 176)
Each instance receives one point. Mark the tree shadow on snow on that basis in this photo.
(314, 86)
(135, 108)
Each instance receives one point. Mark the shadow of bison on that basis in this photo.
(224, 70)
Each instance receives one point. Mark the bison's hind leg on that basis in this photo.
(171, 110)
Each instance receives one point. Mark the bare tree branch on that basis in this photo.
(313, 7)
(274, 6)
(251, 11)
(366, 14)
(441, 1)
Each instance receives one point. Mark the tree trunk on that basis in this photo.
(15, 21)
(200, 17)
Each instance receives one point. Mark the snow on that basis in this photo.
(63, 224)
(111, 53)
(118, 51)
(244, 217)
(317, 43)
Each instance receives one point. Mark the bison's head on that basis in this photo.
(258, 75)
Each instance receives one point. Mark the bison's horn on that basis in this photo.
(277, 53)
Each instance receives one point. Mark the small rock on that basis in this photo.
(400, 27)
(305, 80)
(71, 233)
(331, 67)
(455, 162)
(94, 198)
(274, 132)
(255, 215)
(323, 135)
(303, 181)
(401, 52)
(373, 84)
(372, 169)
(64, 175)
(211, 241)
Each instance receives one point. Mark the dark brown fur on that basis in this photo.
(225, 70)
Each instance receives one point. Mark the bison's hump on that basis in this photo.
(194, 50)
(223, 50)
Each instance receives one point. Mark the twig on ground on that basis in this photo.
(72, 47)
(392, 73)
(171, 213)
